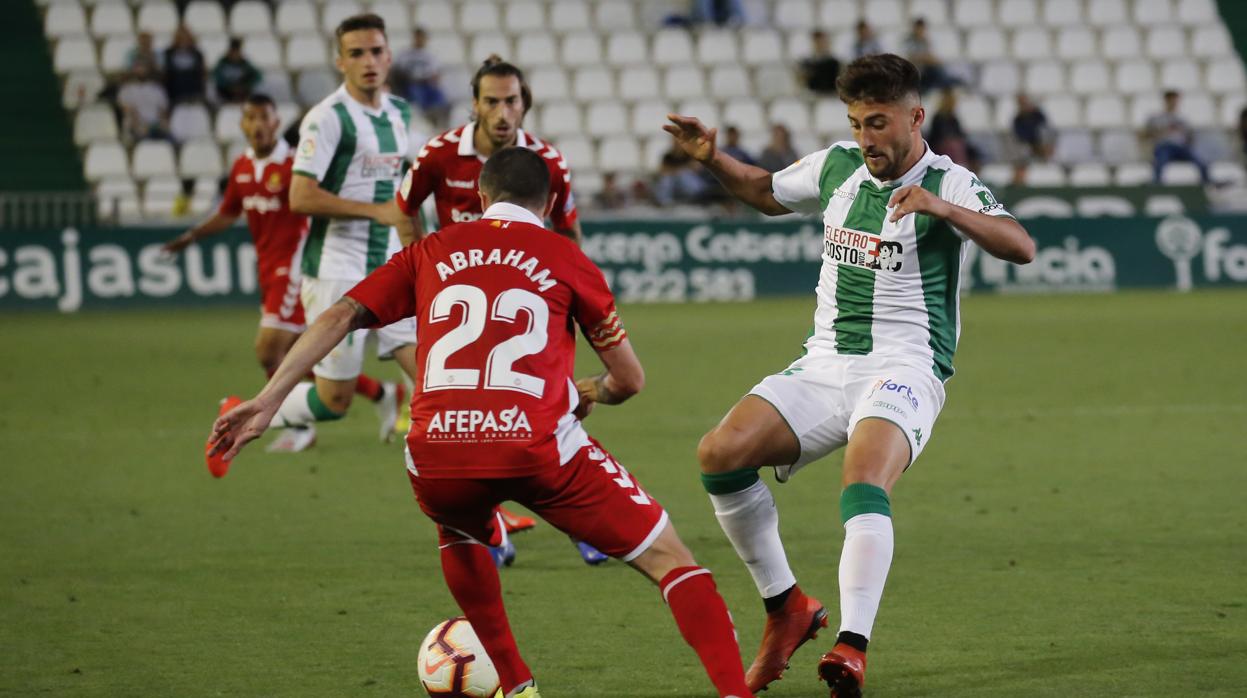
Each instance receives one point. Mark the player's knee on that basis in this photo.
(722, 450)
(269, 356)
(336, 398)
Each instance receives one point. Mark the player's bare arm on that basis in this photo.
(999, 236)
(748, 183)
(307, 197)
(248, 421)
(623, 378)
(573, 233)
(412, 231)
(217, 223)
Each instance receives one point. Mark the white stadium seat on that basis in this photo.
(1105, 111)
(1032, 43)
(985, 44)
(95, 122)
(314, 85)
(1045, 174)
(649, 116)
(619, 154)
(113, 53)
(276, 84)
(536, 49)
(652, 150)
(838, 13)
(1118, 145)
(612, 16)
(997, 174)
(206, 16)
(671, 47)
(969, 14)
(435, 15)
(190, 121)
(772, 81)
(485, 45)
(1133, 174)
(745, 114)
(1152, 13)
(1018, 13)
(1074, 145)
(1132, 77)
(548, 82)
(593, 83)
(638, 83)
(1200, 109)
(263, 51)
(1142, 107)
(112, 19)
(1180, 74)
(974, 112)
(524, 16)
(153, 159)
(64, 18)
(288, 113)
(227, 129)
(307, 51)
(704, 109)
(794, 14)
(1228, 171)
(718, 48)
(888, 14)
(1090, 77)
(74, 53)
(200, 158)
(560, 118)
(1231, 106)
(1211, 41)
(479, 16)
(1180, 174)
(935, 12)
(1090, 174)
(1166, 42)
(625, 48)
(946, 42)
(296, 17)
(1121, 42)
(577, 151)
(81, 87)
(160, 196)
(1063, 111)
(118, 194)
(397, 16)
(793, 113)
(1063, 13)
(683, 82)
(1224, 75)
(212, 46)
(797, 45)
(569, 16)
(1107, 13)
(606, 118)
(158, 17)
(1074, 43)
(584, 48)
(1197, 12)
(999, 78)
(450, 49)
(249, 17)
(105, 159)
(728, 81)
(830, 116)
(334, 11)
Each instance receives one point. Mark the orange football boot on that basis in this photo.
(844, 670)
(217, 465)
(514, 522)
(798, 621)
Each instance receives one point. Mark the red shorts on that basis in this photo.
(280, 307)
(592, 498)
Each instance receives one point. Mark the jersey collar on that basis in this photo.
(912, 175)
(279, 153)
(374, 111)
(467, 140)
(504, 211)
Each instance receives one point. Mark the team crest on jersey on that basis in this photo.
(307, 148)
(274, 183)
(858, 249)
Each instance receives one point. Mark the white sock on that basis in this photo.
(294, 410)
(864, 564)
(751, 522)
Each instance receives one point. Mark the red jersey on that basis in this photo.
(448, 167)
(494, 302)
(261, 188)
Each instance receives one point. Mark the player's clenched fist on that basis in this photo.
(693, 136)
(915, 199)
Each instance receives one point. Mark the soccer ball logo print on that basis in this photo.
(453, 663)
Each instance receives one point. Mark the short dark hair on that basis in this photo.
(1170, 94)
(355, 23)
(517, 175)
(883, 78)
(259, 99)
(495, 66)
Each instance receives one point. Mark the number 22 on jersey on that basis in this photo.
(476, 311)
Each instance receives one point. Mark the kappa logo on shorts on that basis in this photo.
(891, 386)
(918, 436)
(622, 478)
(864, 250)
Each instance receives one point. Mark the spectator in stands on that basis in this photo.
(144, 52)
(919, 52)
(1242, 130)
(779, 153)
(679, 180)
(144, 106)
(612, 196)
(945, 134)
(1030, 127)
(731, 145)
(416, 75)
(720, 12)
(234, 75)
(186, 73)
(1171, 138)
(819, 71)
(866, 43)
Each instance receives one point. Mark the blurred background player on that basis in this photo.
(346, 167)
(449, 166)
(897, 217)
(537, 452)
(259, 185)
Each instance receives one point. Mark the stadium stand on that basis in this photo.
(604, 74)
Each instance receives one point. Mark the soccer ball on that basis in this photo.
(453, 663)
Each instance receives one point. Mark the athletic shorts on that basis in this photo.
(824, 397)
(346, 361)
(280, 305)
(591, 498)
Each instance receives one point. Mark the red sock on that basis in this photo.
(706, 626)
(368, 387)
(473, 581)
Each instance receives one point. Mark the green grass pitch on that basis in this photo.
(1076, 527)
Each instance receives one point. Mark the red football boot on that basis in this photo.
(217, 465)
(799, 620)
(514, 522)
(844, 670)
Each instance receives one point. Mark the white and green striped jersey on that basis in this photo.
(357, 153)
(887, 289)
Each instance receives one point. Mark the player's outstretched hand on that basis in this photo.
(586, 389)
(915, 199)
(239, 427)
(693, 136)
(177, 244)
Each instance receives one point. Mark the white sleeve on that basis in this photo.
(796, 186)
(963, 188)
(318, 139)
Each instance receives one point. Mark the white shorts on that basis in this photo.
(824, 397)
(346, 361)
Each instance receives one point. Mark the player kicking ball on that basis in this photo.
(259, 185)
(896, 218)
(495, 411)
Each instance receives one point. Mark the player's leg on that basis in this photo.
(271, 345)
(272, 341)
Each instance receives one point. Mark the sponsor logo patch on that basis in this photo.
(480, 426)
(381, 166)
(461, 183)
(864, 250)
(888, 385)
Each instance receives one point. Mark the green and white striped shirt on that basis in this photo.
(357, 153)
(886, 289)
